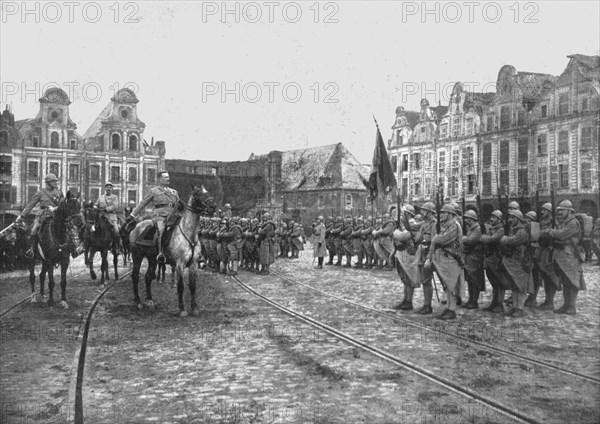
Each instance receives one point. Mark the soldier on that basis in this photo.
(367, 242)
(357, 245)
(129, 208)
(329, 224)
(533, 229)
(347, 248)
(444, 255)
(543, 261)
(337, 240)
(596, 239)
(493, 261)
(473, 259)
(516, 263)
(567, 260)
(234, 246)
(108, 204)
(48, 199)
(226, 213)
(383, 241)
(296, 240)
(265, 237)
(164, 199)
(406, 260)
(423, 242)
(319, 250)
(377, 263)
(222, 242)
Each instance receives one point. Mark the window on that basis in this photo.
(523, 153)
(321, 202)
(563, 104)
(416, 161)
(132, 195)
(133, 178)
(72, 144)
(54, 140)
(404, 163)
(417, 188)
(6, 165)
(404, 188)
(521, 117)
(94, 194)
(151, 175)
(400, 138)
(73, 172)
(542, 178)
(523, 182)
(584, 103)
(504, 180)
(116, 142)
(115, 174)
(490, 123)
(467, 156)
(563, 175)
(456, 126)
(453, 186)
(35, 141)
(133, 142)
(95, 172)
(542, 145)
(469, 129)
(3, 138)
(487, 154)
(429, 157)
(470, 184)
(455, 158)
(5, 193)
(423, 129)
(586, 174)
(442, 162)
(54, 168)
(395, 163)
(504, 117)
(563, 142)
(587, 137)
(444, 131)
(348, 201)
(504, 152)
(33, 172)
(544, 111)
(124, 113)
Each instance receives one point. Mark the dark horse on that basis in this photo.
(99, 237)
(58, 238)
(182, 250)
(124, 231)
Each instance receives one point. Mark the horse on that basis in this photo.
(99, 238)
(182, 249)
(58, 238)
(124, 231)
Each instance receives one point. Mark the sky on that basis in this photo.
(219, 81)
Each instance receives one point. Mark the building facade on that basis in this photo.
(536, 132)
(50, 143)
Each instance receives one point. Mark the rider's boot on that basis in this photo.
(29, 254)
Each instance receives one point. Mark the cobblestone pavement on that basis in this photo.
(240, 361)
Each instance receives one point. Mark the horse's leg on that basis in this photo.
(31, 268)
(92, 253)
(64, 266)
(116, 263)
(137, 257)
(104, 266)
(150, 275)
(193, 271)
(50, 269)
(179, 277)
(172, 276)
(43, 272)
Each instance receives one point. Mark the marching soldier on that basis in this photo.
(423, 242)
(406, 260)
(319, 250)
(516, 264)
(357, 244)
(265, 237)
(108, 204)
(329, 225)
(164, 199)
(493, 261)
(383, 241)
(337, 240)
(567, 260)
(444, 255)
(347, 248)
(367, 242)
(473, 259)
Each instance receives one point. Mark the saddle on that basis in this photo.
(149, 234)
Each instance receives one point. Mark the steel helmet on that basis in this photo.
(497, 214)
(266, 215)
(566, 205)
(448, 207)
(532, 215)
(227, 206)
(418, 217)
(108, 184)
(131, 202)
(517, 213)
(320, 218)
(471, 214)
(359, 219)
(547, 206)
(514, 205)
(410, 209)
(50, 177)
(457, 208)
(429, 206)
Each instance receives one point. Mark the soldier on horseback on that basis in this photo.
(164, 199)
(108, 204)
(48, 199)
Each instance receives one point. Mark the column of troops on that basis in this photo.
(230, 243)
(517, 253)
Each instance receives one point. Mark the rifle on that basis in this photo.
(7, 228)
(464, 227)
(481, 224)
(538, 210)
(438, 225)
(552, 203)
(505, 213)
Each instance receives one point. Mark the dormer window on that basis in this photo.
(54, 114)
(124, 114)
(133, 143)
(54, 144)
(116, 142)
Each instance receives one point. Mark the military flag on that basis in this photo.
(382, 178)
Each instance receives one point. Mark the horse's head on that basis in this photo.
(201, 201)
(69, 209)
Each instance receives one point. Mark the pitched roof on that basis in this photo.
(323, 167)
(96, 126)
(534, 85)
(589, 66)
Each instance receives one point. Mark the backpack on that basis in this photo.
(586, 225)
